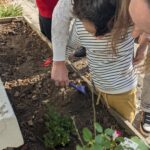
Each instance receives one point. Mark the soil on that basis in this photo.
(30, 88)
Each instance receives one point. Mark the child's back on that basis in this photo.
(111, 73)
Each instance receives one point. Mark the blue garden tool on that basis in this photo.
(80, 88)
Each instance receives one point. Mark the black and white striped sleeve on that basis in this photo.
(74, 41)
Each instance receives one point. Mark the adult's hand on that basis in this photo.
(140, 54)
(60, 73)
(143, 38)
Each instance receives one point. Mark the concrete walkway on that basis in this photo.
(31, 12)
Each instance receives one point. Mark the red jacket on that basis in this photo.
(46, 7)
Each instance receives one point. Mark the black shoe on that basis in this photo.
(145, 124)
(80, 52)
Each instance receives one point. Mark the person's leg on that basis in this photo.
(81, 52)
(45, 26)
(145, 103)
(73, 41)
(41, 24)
(124, 104)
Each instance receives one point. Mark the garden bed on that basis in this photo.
(30, 89)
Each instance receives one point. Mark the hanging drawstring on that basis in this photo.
(106, 100)
(100, 96)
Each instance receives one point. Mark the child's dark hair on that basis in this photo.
(106, 15)
(148, 1)
(100, 12)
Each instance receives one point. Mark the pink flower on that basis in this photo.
(116, 134)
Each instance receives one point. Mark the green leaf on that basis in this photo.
(109, 132)
(118, 147)
(59, 129)
(99, 139)
(96, 147)
(98, 127)
(78, 147)
(119, 139)
(141, 144)
(103, 140)
(107, 144)
(87, 135)
(86, 148)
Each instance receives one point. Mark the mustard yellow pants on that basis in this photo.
(124, 103)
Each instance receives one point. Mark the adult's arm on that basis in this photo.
(59, 71)
(61, 20)
(143, 41)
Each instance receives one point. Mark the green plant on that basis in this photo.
(109, 139)
(10, 10)
(59, 129)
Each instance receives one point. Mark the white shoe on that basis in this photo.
(145, 124)
(146, 127)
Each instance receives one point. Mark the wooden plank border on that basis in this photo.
(10, 19)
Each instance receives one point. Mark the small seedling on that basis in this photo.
(59, 129)
(10, 10)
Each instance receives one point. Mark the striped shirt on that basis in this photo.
(112, 74)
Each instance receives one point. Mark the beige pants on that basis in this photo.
(124, 103)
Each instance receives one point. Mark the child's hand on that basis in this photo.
(60, 73)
